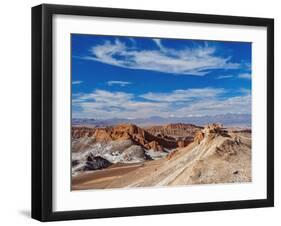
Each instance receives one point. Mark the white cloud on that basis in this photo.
(76, 82)
(245, 75)
(102, 96)
(103, 104)
(224, 76)
(235, 105)
(119, 83)
(183, 95)
(194, 61)
(159, 44)
(245, 91)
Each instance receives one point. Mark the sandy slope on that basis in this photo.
(215, 159)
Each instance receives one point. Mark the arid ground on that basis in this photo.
(124, 156)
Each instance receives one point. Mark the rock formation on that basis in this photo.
(95, 163)
(217, 155)
(174, 130)
(199, 137)
(125, 132)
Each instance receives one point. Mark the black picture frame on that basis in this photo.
(42, 197)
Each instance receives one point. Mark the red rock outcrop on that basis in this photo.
(77, 132)
(102, 135)
(183, 143)
(211, 131)
(199, 137)
(124, 132)
(154, 145)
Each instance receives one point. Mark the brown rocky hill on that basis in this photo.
(125, 132)
(79, 132)
(182, 133)
(174, 130)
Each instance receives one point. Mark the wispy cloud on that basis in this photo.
(244, 91)
(224, 76)
(184, 95)
(104, 104)
(76, 82)
(199, 60)
(159, 44)
(245, 75)
(103, 96)
(232, 105)
(118, 83)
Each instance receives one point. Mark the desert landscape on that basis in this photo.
(125, 155)
(150, 112)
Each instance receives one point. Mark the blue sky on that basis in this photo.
(133, 77)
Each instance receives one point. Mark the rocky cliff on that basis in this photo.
(174, 130)
(125, 132)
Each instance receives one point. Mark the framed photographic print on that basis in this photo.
(146, 112)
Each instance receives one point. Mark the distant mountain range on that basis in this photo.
(241, 120)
